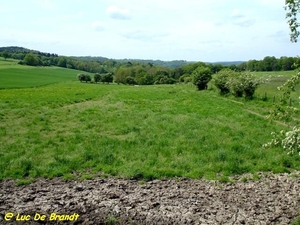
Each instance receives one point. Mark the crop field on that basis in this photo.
(13, 75)
(69, 128)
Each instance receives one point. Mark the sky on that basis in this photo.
(192, 30)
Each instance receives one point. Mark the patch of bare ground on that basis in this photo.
(272, 199)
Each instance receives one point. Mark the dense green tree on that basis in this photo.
(286, 63)
(84, 77)
(215, 67)
(269, 63)
(201, 77)
(62, 62)
(32, 59)
(121, 74)
(5, 55)
(107, 78)
(190, 68)
(97, 77)
(130, 80)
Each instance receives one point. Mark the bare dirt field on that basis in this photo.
(272, 199)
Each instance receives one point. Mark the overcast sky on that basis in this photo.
(193, 30)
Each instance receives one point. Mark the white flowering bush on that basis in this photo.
(221, 79)
(289, 141)
(243, 83)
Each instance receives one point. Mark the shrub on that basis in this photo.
(107, 78)
(221, 79)
(84, 77)
(250, 83)
(130, 80)
(201, 76)
(235, 85)
(243, 83)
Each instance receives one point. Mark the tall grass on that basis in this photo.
(138, 132)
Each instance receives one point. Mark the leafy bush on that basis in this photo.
(130, 80)
(243, 83)
(107, 78)
(32, 60)
(84, 77)
(235, 85)
(186, 79)
(201, 76)
(250, 83)
(221, 79)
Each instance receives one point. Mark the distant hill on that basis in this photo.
(227, 63)
(169, 64)
(16, 49)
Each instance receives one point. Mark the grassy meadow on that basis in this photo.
(13, 75)
(144, 132)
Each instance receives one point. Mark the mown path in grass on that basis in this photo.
(143, 132)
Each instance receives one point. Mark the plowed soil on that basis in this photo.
(272, 199)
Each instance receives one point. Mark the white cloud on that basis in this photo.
(236, 14)
(244, 22)
(144, 34)
(47, 4)
(98, 26)
(118, 13)
(241, 19)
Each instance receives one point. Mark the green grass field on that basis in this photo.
(143, 132)
(13, 75)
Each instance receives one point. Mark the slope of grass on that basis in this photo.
(13, 75)
(141, 132)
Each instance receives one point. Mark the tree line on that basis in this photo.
(136, 72)
(270, 63)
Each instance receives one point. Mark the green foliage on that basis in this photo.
(235, 85)
(293, 8)
(97, 77)
(84, 77)
(221, 79)
(243, 83)
(282, 110)
(288, 87)
(296, 221)
(62, 62)
(32, 60)
(201, 77)
(269, 63)
(250, 83)
(5, 55)
(130, 80)
(190, 68)
(111, 220)
(288, 140)
(121, 74)
(186, 79)
(107, 78)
